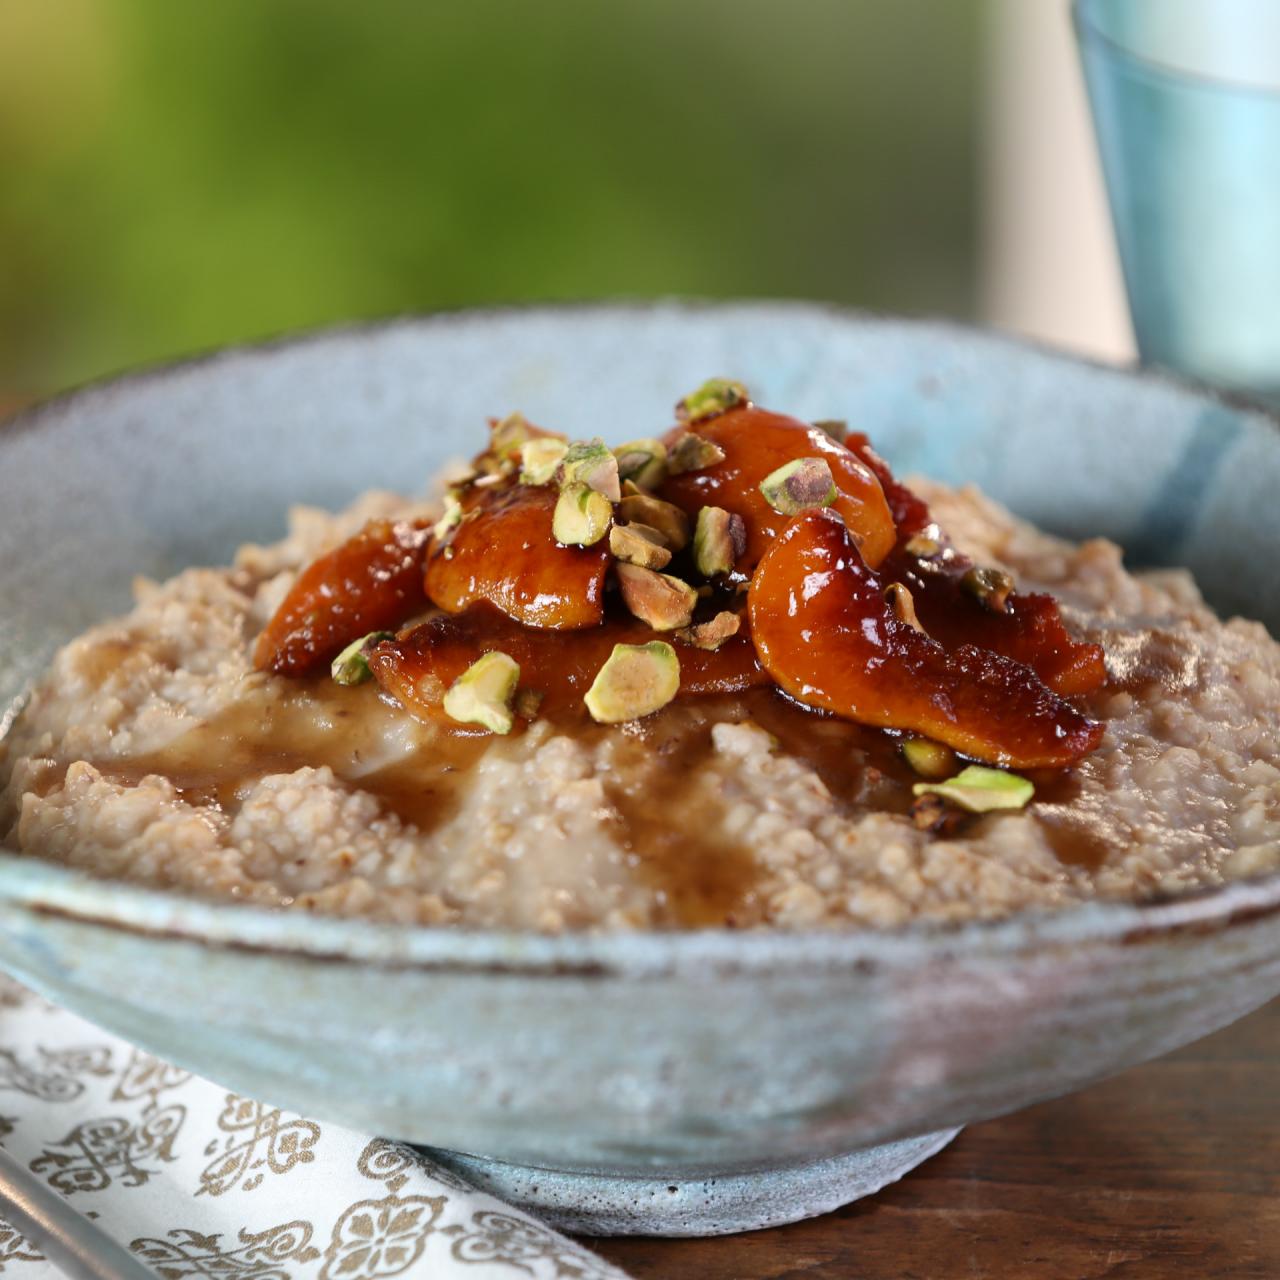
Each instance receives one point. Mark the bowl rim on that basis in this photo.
(50, 891)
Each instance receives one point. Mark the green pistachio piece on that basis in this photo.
(992, 587)
(668, 519)
(581, 517)
(980, 790)
(903, 604)
(540, 458)
(590, 462)
(638, 544)
(643, 462)
(929, 759)
(662, 601)
(798, 486)
(711, 634)
(506, 438)
(351, 666)
(637, 680)
(719, 538)
(834, 428)
(714, 397)
(482, 694)
(449, 520)
(693, 453)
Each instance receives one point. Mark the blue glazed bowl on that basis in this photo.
(670, 1057)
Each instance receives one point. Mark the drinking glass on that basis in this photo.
(1186, 104)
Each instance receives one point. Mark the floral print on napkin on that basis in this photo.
(204, 1184)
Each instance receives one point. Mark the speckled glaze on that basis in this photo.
(662, 1057)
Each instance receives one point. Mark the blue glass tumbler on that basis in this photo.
(1186, 104)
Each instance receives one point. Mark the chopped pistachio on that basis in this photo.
(635, 681)
(711, 634)
(662, 601)
(903, 604)
(993, 587)
(667, 518)
(714, 397)
(929, 759)
(506, 437)
(590, 462)
(922, 545)
(528, 701)
(638, 544)
(643, 462)
(978, 789)
(693, 453)
(833, 427)
(540, 458)
(798, 486)
(719, 538)
(648, 533)
(351, 666)
(449, 520)
(581, 517)
(482, 694)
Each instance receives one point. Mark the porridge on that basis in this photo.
(737, 676)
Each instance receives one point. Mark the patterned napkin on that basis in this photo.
(200, 1182)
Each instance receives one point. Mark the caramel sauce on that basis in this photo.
(665, 821)
(669, 825)
(862, 768)
(316, 723)
(1075, 838)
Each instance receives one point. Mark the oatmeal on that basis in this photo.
(735, 676)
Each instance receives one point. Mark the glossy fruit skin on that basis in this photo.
(418, 666)
(1029, 630)
(825, 633)
(372, 582)
(505, 554)
(755, 444)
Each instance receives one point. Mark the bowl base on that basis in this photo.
(603, 1205)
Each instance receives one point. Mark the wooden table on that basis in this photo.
(1170, 1170)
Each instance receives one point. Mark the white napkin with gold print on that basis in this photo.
(199, 1182)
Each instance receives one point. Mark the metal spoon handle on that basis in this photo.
(78, 1248)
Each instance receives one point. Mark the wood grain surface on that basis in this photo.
(1170, 1170)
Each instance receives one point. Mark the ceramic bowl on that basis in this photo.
(694, 1082)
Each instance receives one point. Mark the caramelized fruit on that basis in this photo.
(1028, 630)
(420, 665)
(504, 553)
(370, 583)
(826, 634)
(755, 444)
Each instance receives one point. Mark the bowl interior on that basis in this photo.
(177, 466)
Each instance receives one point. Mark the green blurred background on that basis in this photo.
(174, 176)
